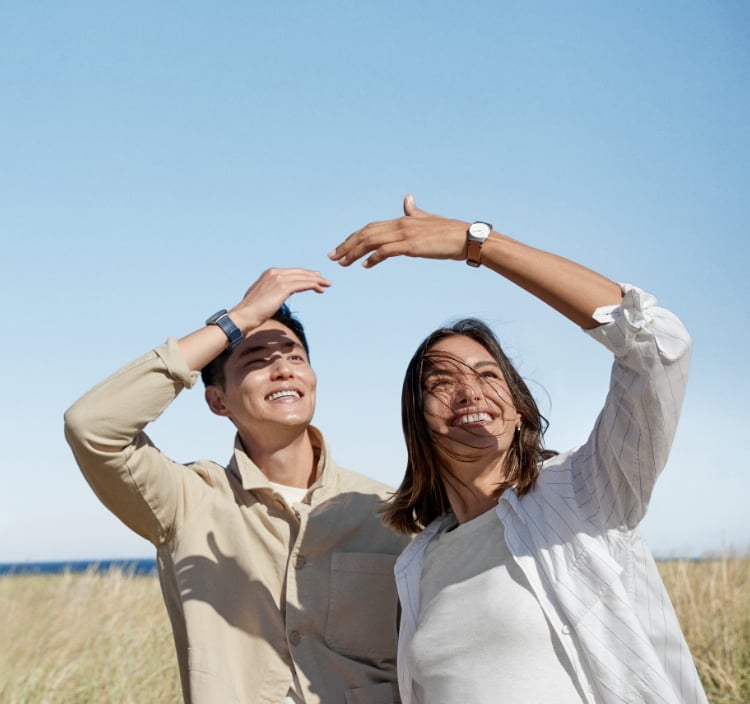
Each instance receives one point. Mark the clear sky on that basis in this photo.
(155, 158)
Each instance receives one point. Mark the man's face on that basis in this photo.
(269, 383)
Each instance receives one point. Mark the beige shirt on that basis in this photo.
(255, 589)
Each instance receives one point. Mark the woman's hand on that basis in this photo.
(416, 234)
(570, 288)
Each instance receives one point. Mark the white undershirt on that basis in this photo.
(291, 494)
(482, 636)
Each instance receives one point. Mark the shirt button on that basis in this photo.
(300, 562)
(566, 630)
(295, 637)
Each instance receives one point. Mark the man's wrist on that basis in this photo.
(222, 320)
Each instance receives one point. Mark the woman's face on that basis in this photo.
(467, 403)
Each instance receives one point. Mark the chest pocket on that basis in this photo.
(363, 604)
(593, 576)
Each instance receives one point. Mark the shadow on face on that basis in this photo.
(265, 345)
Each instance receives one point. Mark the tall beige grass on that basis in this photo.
(104, 638)
(712, 601)
(85, 638)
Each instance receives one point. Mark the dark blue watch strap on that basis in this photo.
(223, 320)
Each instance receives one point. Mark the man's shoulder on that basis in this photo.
(361, 500)
(349, 480)
(209, 471)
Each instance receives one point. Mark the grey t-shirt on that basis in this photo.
(482, 636)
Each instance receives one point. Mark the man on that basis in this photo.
(276, 570)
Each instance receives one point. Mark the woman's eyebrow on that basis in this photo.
(450, 366)
(487, 363)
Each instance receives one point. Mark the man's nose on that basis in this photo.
(281, 368)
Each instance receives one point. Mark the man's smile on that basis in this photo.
(283, 393)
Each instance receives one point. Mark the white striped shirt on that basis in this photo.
(575, 534)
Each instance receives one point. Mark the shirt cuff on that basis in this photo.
(638, 317)
(178, 369)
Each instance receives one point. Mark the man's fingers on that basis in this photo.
(284, 282)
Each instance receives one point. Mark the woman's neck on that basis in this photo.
(472, 488)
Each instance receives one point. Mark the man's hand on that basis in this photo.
(270, 291)
(259, 303)
(416, 234)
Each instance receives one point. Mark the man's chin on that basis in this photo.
(295, 420)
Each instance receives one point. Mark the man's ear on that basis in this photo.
(214, 396)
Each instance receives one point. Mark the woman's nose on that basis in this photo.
(467, 391)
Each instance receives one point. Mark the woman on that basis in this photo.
(528, 580)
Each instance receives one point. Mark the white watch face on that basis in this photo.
(479, 231)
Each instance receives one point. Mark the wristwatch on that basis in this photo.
(476, 236)
(223, 320)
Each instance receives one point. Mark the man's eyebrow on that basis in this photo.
(269, 348)
(253, 350)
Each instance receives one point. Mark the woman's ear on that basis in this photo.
(214, 396)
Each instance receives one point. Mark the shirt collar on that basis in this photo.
(252, 477)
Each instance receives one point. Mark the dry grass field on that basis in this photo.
(104, 638)
(85, 638)
(712, 600)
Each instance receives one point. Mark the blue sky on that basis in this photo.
(157, 157)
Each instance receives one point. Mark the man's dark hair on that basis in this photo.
(213, 373)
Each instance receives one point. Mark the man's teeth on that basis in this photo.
(474, 418)
(283, 394)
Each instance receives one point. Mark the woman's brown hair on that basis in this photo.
(422, 497)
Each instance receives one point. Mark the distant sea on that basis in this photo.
(138, 566)
(134, 566)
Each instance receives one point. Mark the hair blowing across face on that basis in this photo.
(422, 497)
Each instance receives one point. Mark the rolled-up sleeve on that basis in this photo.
(615, 471)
